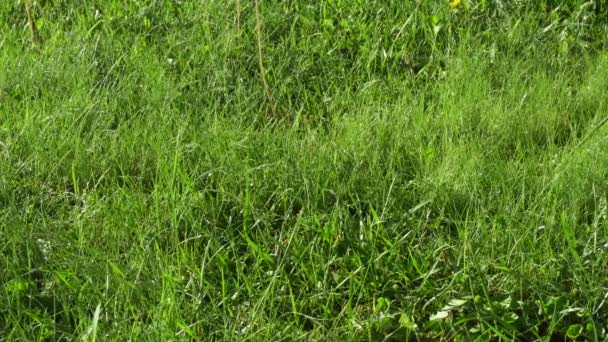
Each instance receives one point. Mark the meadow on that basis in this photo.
(304, 170)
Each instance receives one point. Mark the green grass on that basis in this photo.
(429, 173)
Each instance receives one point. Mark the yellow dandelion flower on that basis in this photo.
(455, 4)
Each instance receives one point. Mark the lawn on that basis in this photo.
(304, 170)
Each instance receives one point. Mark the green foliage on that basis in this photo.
(439, 171)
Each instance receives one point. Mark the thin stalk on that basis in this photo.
(258, 28)
(238, 16)
(30, 22)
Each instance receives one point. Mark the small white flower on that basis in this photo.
(45, 248)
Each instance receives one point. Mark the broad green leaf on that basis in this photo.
(439, 315)
(574, 330)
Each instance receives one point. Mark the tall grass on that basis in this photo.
(440, 173)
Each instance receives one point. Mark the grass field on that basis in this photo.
(414, 170)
